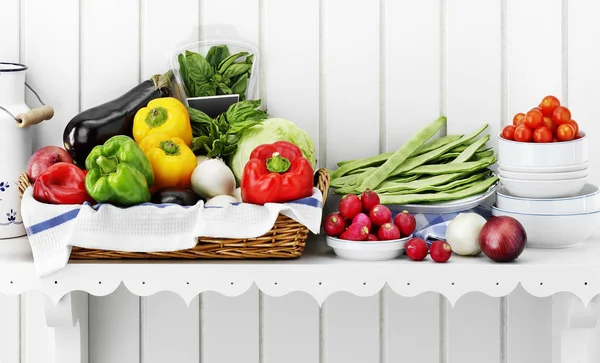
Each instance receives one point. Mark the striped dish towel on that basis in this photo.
(54, 229)
(432, 227)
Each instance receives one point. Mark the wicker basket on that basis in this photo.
(286, 239)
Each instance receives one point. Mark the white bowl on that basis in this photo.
(544, 176)
(543, 188)
(367, 250)
(554, 230)
(587, 200)
(542, 169)
(564, 153)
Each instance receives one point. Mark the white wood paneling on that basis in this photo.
(114, 325)
(584, 75)
(534, 53)
(10, 329)
(530, 328)
(9, 28)
(230, 19)
(172, 329)
(350, 329)
(229, 327)
(474, 329)
(53, 60)
(39, 339)
(290, 60)
(412, 68)
(291, 329)
(411, 328)
(161, 33)
(109, 54)
(350, 79)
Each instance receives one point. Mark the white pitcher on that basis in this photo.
(15, 144)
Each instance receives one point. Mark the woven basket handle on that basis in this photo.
(322, 181)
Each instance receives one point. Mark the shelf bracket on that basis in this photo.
(575, 329)
(69, 318)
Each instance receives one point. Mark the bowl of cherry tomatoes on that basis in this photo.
(545, 136)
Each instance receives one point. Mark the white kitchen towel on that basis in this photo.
(54, 229)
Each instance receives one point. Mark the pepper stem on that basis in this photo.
(277, 163)
(169, 147)
(107, 164)
(156, 117)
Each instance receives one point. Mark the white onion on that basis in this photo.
(462, 233)
(201, 158)
(221, 201)
(211, 178)
(237, 194)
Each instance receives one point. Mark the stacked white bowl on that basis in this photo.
(544, 186)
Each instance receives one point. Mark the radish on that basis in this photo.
(406, 222)
(440, 251)
(369, 199)
(388, 232)
(380, 215)
(350, 206)
(334, 224)
(356, 232)
(372, 237)
(416, 249)
(362, 219)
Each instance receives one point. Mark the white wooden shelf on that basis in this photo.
(318, 272)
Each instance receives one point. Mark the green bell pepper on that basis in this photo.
(119, 173)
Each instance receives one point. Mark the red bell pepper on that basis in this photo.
(276, 173)
(62, 183)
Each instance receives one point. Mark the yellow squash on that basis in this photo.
(172, 160)
(165, 115)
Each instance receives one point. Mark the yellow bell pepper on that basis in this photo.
(165, 115)
(172, 160)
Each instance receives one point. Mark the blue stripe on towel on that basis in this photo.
(52, 222)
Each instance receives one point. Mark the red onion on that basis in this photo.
(502, 238)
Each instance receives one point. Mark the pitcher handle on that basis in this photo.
(34, 116)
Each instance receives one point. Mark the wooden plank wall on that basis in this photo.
(360, 77)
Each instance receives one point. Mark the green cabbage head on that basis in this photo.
(267, 132)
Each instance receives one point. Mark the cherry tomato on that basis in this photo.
(565, 132)
(549, 104)
(578, 136)
(549, 124)
(555, 139)
(518, 118)
(542, 134)
(534, 119)
(509, 132)
(561, 115)
(523, 134)
(575, 126)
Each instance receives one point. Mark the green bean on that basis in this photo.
(342, 163)
(465, 167)
(375, 178)
(361, 170)
(341, 181)
(362, 163)
(440, 188)
(434, 144)
(422, 159)
(477, 188)
(470, 151)
(483, 154)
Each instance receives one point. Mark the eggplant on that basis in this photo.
(96, 125)
(175, 195)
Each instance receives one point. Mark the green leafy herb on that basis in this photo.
(219, 73)
(220, 136)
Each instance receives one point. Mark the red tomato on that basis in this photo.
(509, 132)
(575, 126)
(534, 119)
(549, 124)
(549, 104)
(578, 136)
(561, 115)
(542, 134)
(523, 133)
(565, 132)
(555, 139)
(518, 118)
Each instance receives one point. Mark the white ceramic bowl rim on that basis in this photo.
(508, 196)
(542, 181)
(583, 136)
(546, 214)
(584, 165)
(560, 173)
(392, 241)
